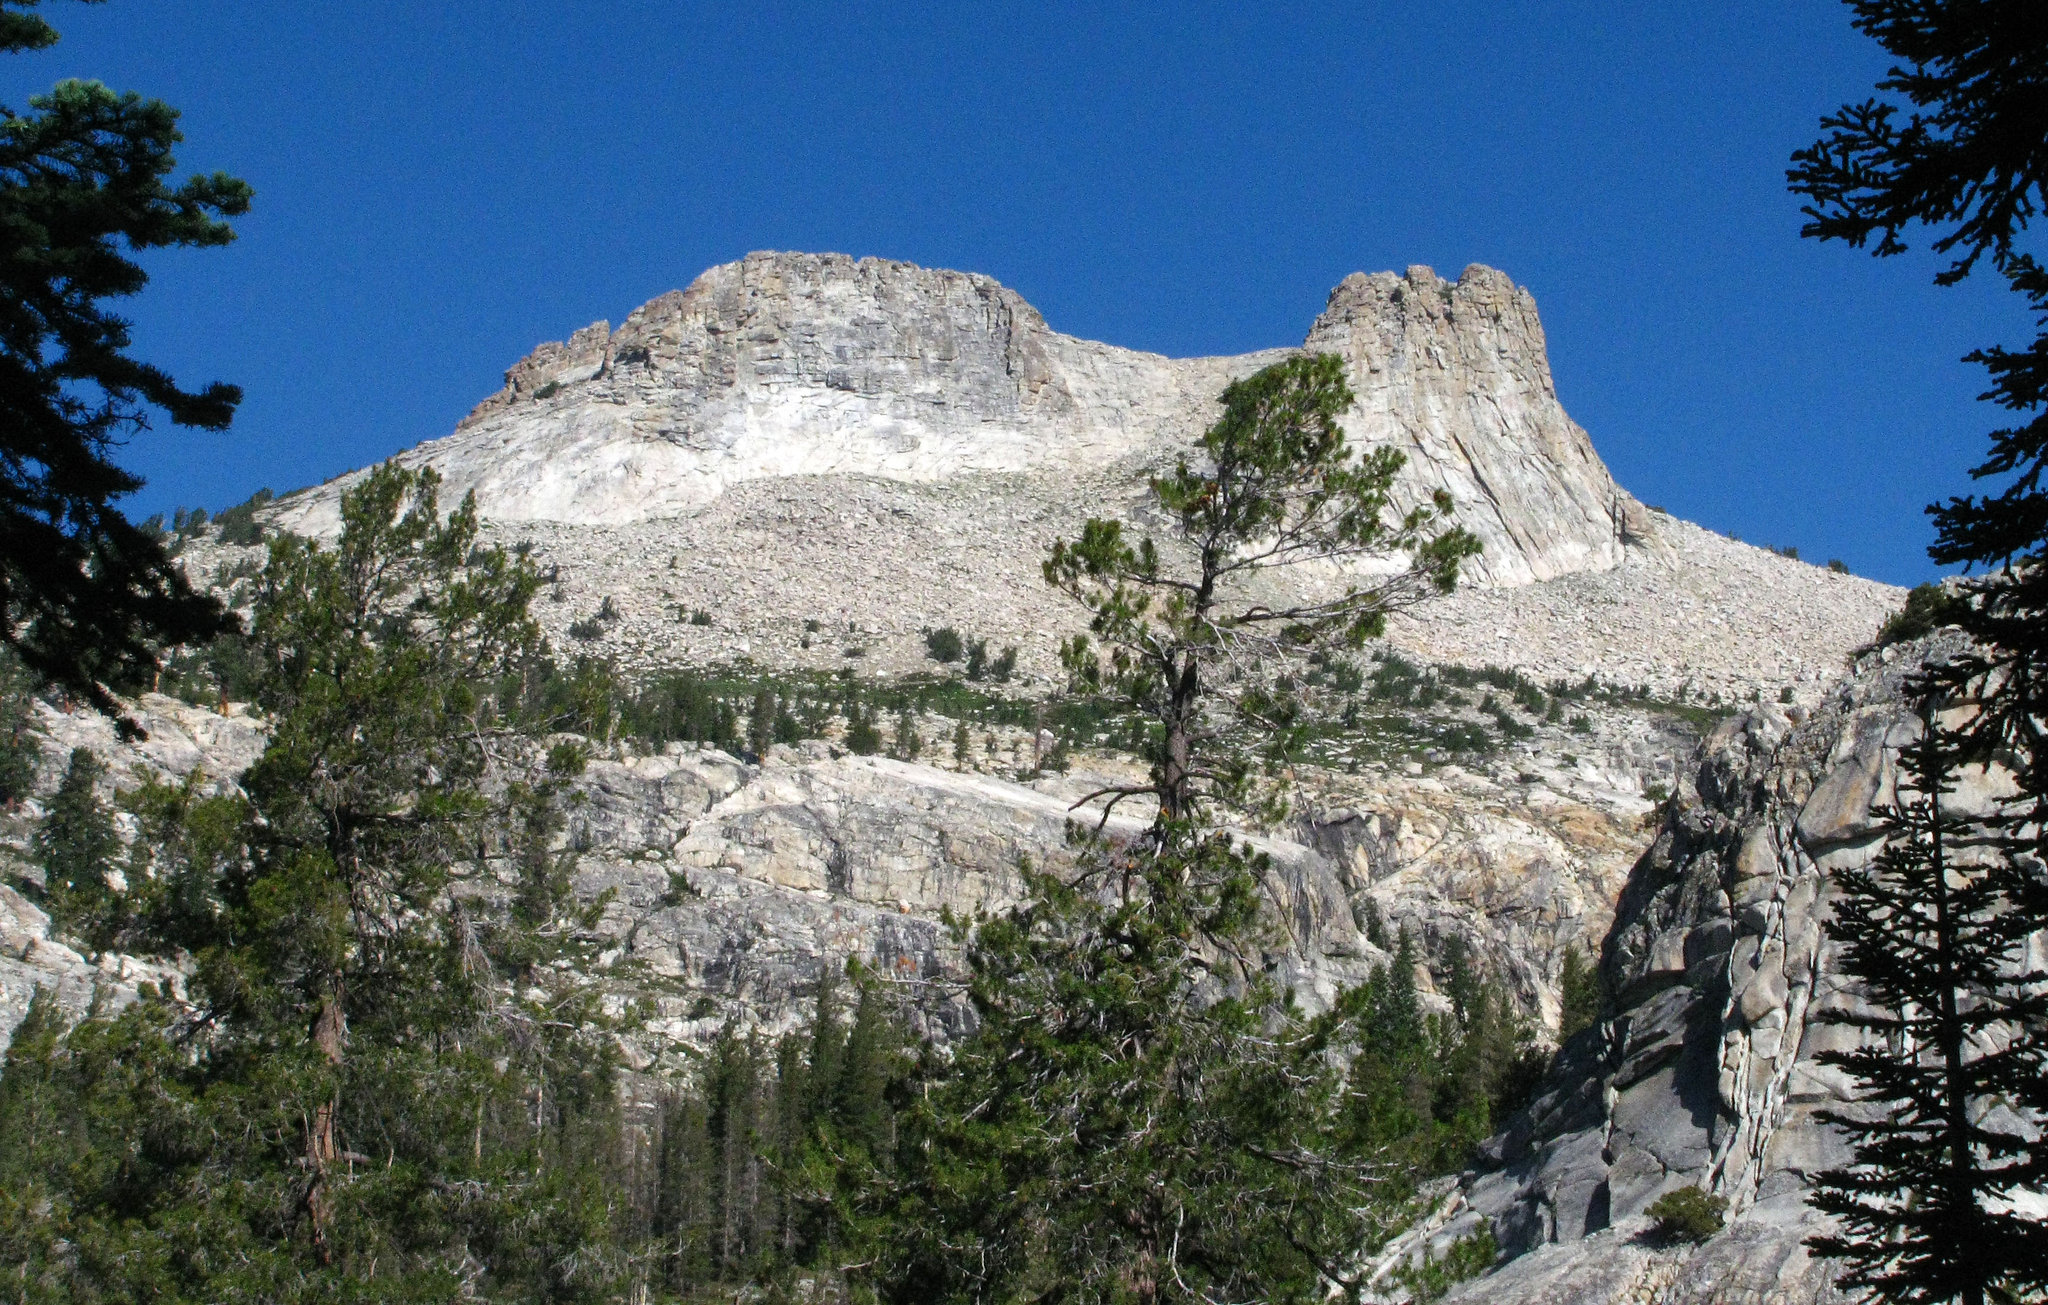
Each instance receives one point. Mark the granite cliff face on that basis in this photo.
(807, 365)
(1706, 1075)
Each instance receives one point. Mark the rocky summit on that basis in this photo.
(786, 365)
(808, 462)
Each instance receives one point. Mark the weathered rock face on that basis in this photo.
(1457, 375)
(1706, 1076)
(734, 885)
(806, 365)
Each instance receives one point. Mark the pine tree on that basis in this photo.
(908, 741)
(1578, 993)
(1955, 145)
(1278, 488)
(89, 598)
(1122, 1126)
(355, 994)
(1929, 933)
(761, 721)
(19, 752)
(76, 846)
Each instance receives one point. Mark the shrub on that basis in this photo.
(1928, 607)
(862, 738)
(1002, 668)
(589, 628)
(1688, 1215)
(1788, 550)
(1838, 566)
(700, 617)
(944, 644)
(606, 611)
(1429, 1278)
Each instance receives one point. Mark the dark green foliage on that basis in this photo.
(1838, 566)
(76, 847)
(1956, 143)
(1928, 607)
(1688, 1214)
(700, 617)
(186, 844)
(238, 524)
(1930, 932)
(1425, 1090)
(862, 736)
(943, 644)
(998, 669)
(88, 596)
(587, 629)
(1580, 994)
(388, 1090)
(19, 751)
(753, 1159)
(761, 721)
(1118, 1129)
(907, 743)
(1432, 1277)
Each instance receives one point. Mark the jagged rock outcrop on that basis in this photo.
(1706, 1074)
(1457, 375)
(785, 365)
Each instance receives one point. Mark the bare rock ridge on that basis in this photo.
(784, 365)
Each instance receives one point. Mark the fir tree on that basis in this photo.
(89, 598)
(761, 721)
(1930, 935)
(1121, 1127)
(1578, 993)
(1954, 145)
(19, 752)
(76, 846)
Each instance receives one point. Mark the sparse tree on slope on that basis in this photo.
(89, 597)
(1276, 487)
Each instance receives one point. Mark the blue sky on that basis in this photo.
(440, 187)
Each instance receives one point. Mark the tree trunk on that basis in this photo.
(321, 1148)
(1962, 1193)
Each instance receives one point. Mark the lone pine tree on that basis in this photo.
(1276, 487)
(1955, 144)
(1142, 1112)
